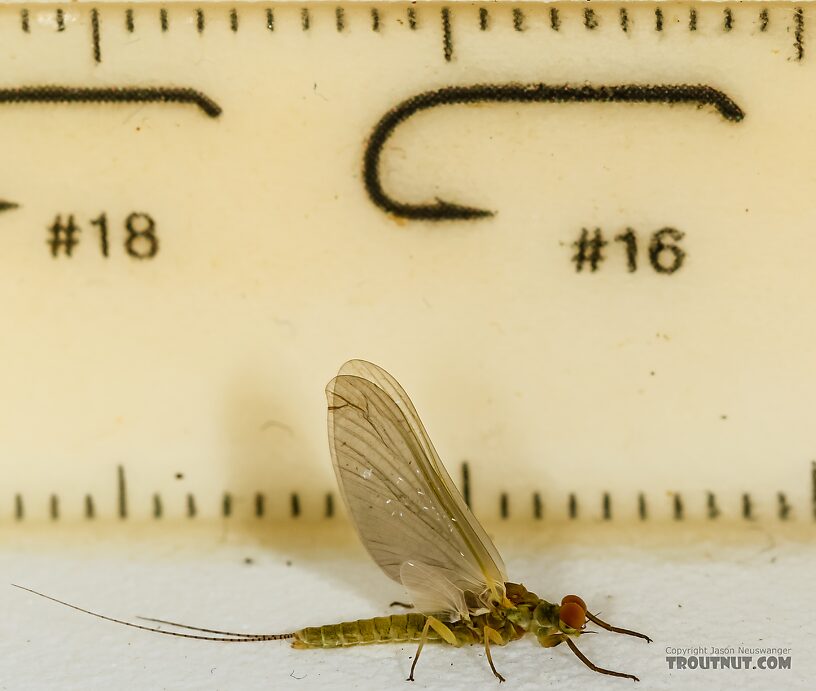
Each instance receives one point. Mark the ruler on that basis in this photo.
(579, 234)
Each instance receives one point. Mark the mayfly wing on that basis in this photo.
(432, 591)
(402, 501)
(485, 549)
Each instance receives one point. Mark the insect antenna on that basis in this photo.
(239, 638)
(616, 629)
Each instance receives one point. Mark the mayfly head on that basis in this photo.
(554, 624)
(572, 615)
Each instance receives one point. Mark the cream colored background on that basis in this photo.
(274, 267)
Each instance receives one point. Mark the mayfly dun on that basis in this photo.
(417, 527)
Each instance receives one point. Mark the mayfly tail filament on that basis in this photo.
(225, 637)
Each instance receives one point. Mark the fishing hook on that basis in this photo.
(514, 92)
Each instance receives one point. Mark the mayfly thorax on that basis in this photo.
(417, 527)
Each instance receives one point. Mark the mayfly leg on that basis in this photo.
(583, 658)
(496, 637)
(419, 649)
(444, 633)
(397, 603)
(616, 629)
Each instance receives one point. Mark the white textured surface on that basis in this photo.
(683, 585)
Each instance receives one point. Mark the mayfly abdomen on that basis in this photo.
(394, 629)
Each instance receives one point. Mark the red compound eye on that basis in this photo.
(574, 598)
(573, 615)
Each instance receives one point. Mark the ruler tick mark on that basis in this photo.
(764, 18)
(518, 19)
(199, 16)
(572, 506)
(607, 506)
(447, 37)
(484, 18)
(711, 504)
(329, 505)
(90, 511)
(305, 19)
(260, 502)
(60, 19)
(590, 19)
(538, 508)
(24, 21)
(747, 507)
(97, 50)
(658, 19)
(294, 504)
(692, 19)
(121, 491)
(129, 23)
(728, 19)
(375, 19)
(226, 505)
(642, 513)
(163, 20)
(191, 506)
(270, 19)
(624, 20)
(19, 509)
(53, 507)
(555, 20)
(504, 505)
(784, 507)
(233, 16)
(340, 18)
(412, 19)
(158, 509)
(799, 33)
(678, 507)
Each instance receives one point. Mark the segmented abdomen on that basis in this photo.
(396, 628)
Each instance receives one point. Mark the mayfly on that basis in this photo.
(417, 527)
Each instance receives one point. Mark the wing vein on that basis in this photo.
(410, 516)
